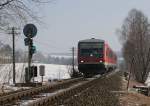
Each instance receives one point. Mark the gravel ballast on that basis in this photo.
(99, 94)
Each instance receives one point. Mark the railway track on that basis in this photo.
(16, 97)
(50, 95)
(58, 98)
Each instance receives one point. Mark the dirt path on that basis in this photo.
(131, 98)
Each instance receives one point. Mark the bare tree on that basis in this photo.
(135, 35)
(18, 11)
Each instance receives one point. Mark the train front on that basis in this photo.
(91, 56)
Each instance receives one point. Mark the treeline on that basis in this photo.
(39, 57)
(22, 56)
(5, 53)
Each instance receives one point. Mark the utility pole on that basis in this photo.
(14, 66)
(13, 32)
(73, 59)
(29, 59)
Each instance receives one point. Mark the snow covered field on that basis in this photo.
(52, 71)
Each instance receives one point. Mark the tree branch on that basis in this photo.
(6, 3)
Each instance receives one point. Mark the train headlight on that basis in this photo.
(100, 61)
(82, 61)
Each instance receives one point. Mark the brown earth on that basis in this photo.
(133, 98)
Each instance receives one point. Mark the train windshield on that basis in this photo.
(94, 49)
(95, 52)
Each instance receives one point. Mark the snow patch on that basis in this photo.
(52, 71)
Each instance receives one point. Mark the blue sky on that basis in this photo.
(68, 21)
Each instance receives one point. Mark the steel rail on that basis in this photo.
(51, 100)
(18, 95)
(67, 93)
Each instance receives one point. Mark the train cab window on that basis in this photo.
(96, 52)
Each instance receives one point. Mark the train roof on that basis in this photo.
(91, 40)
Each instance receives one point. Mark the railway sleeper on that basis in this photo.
(57, 99)
(19, 95)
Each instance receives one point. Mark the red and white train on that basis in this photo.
(95, 57)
